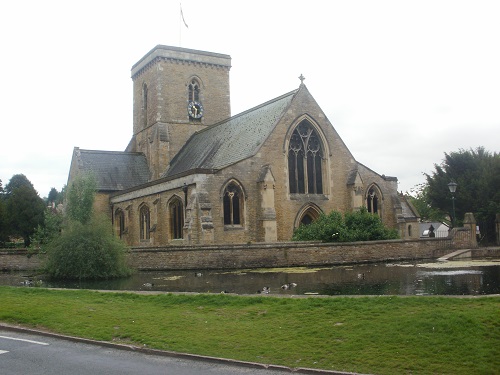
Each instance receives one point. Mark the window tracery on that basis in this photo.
(233, 204)
(372, 201)
(305, 161)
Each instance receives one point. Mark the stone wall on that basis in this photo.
(288, 254)
(18, 260)
(261, 255)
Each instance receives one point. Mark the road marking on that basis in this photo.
(3, 351)
(30, 341)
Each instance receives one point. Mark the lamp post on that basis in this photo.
(453, 187)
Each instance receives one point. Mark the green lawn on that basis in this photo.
(382, 335)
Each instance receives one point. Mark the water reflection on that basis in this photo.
(471, 278)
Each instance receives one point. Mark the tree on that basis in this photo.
(54, 197)
(50, 230)
(419, 198)
(477, 173)
(86, 248)
(24, 208)
(3, 216)
(353, 226)
(80, 198)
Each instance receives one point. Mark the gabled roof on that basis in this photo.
(231, 140)
(407, 209)
(114, 170)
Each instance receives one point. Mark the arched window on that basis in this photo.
(373, 200)
(194, 91)
(307, 214)
(176, 210)
(233, 204)
(305, 160)
(144, 222)
(409, 231)
(120, 222)
(145, 104)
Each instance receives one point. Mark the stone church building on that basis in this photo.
(193, 174)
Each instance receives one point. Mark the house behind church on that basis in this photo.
(194, 175)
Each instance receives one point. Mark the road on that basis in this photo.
(33, 354)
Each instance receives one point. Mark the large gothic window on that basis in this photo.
(144, 222)
(194, 91)
(305, 161)
(176, 218)
(233, 204)
(373, 200)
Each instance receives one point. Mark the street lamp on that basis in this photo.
(453, 187)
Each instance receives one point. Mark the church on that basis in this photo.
(192, 174)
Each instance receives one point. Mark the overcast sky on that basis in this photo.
(402, 82)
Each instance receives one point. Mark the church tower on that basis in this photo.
(177, 91)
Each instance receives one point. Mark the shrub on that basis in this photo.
(353, 226)
(87, 251)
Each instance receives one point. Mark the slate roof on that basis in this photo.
(407, 211)
(114, 170)
(231, 140)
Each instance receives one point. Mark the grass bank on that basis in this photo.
(382, 335)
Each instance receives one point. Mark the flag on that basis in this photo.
(183, 20)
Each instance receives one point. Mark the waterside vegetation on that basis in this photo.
(382, 335)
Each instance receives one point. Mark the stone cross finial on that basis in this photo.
(302, 78)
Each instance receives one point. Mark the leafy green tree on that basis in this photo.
(419, 198)
(477, 173)
(24, 208)
(3, 217)
(80, 198)
(54, 197)
(50, 230)
(353, 226)
(86, 248)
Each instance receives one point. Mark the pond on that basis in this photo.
(399, 278)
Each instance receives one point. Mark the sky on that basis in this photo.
(402, 82)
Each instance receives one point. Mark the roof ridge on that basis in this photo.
(109, 152)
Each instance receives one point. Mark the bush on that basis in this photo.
(87, 251)
(353, 226)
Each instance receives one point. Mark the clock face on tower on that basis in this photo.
(195, 110)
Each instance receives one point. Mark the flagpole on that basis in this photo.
(181, 21)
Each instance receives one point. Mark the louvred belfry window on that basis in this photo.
(194, 91)
(305, 161)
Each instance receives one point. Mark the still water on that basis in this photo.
(430, 278)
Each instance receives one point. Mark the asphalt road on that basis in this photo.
(33, 354)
